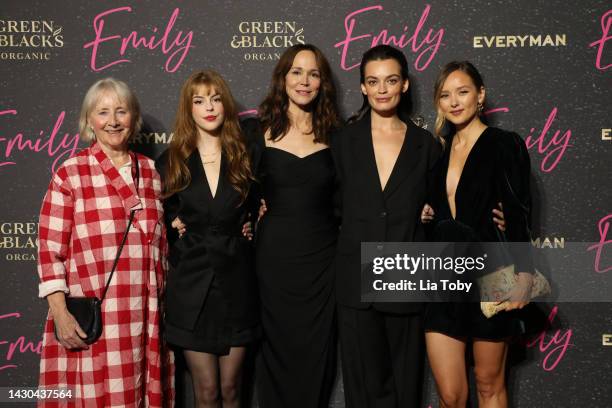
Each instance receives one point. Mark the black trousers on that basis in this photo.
(382, 358)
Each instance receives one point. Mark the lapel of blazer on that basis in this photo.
(364, 153)
(224, 188)
(407, 159)
(199, 183)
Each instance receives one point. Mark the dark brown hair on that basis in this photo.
(273, 110)
(380, 53)
(185, 139)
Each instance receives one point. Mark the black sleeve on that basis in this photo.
(434, 156)
(336, 151)
(515, 195)
(252, 134)
(255, 192)
(172, 203)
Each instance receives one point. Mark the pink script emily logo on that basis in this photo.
(19, 345)
(53, 146)
(431, 41)
(604, 227)
(178, 48)
(559, 342)
(552, 155)
(552, 149)
(606, 25)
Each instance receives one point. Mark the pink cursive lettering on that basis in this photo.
(53, 146)
(176, 49)
(552, 155)
(20, 345)
(604, 227)
(606, 24)
(559, 342)
(495, 110)
(426, 47)
(248, 112)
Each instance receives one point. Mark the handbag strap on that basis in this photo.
(136, 184)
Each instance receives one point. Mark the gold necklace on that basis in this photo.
(209, 161)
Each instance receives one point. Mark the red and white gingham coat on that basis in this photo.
(82, 221)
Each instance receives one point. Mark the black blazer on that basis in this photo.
(212, 248)
(372, 215)
(496, 170)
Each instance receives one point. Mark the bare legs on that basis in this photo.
(447, 359)
(208, 370)
(489, 370)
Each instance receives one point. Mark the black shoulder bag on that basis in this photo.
(88, 310)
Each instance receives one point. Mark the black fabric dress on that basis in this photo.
(496, 170)
(295, 247)
(211, 291)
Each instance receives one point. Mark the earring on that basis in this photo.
(480, 107)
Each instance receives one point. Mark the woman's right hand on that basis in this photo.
(427, 214)
(262, 209)
(179, 226)
(69, 333)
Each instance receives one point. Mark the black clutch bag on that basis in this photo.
(88, 313)
(88, 310)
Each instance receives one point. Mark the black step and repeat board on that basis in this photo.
(547, 66)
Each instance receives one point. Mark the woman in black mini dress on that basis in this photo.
(211, 296)
(480, 167)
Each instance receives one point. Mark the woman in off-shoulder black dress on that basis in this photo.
(480, 167)
(296, 238)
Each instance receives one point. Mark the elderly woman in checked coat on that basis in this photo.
(83, 218)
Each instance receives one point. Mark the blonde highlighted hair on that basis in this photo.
(464, 66)
(93, 95)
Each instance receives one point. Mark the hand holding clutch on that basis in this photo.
(498, 288)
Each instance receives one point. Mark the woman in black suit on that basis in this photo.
(382, 161)
(211, 303)
(480, 166)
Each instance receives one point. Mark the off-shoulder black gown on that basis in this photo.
(496, 170)
(295, 247)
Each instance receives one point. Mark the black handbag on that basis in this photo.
(88, 310)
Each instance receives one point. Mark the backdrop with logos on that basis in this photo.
(547, 68)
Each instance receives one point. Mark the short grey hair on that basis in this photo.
(125, 95)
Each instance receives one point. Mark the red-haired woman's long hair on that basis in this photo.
(185, 139)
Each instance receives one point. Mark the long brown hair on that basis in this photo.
(273, 110)
(463, 66)
(185, 139)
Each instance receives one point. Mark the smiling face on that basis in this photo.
(459, 99)
(383, 85)
(207, 109)
(303, 80)
(111, 122)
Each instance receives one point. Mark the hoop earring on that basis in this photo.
(480, 108)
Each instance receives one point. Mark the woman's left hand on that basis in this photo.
(247, 230)
(521, 294)
(498, 217)
(179, 226)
